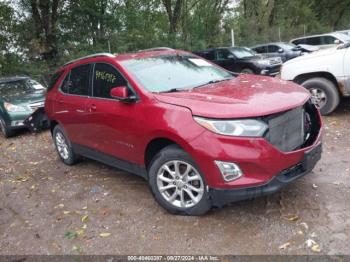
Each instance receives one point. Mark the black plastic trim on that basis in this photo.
(110, 160)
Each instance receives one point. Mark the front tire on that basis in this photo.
(177, 183)
(247, 71)
(63, 146)
(5, 130)
(324, 94)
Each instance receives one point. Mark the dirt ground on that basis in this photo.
(49, 208)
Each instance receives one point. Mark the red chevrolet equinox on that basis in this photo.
(200, 135)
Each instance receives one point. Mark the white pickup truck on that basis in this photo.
(325, 73)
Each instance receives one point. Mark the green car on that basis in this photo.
(19, 98)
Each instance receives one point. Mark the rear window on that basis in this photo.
(53, 79)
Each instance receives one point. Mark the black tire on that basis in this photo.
(166, 155)
(247, 71)
(329, 89)
(5, 130)
(71, 158)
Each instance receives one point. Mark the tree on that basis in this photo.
(45, 16)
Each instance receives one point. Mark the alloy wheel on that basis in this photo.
(62, 146)
(180, 184)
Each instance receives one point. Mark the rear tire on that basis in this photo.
(5, 130)
(324, 94)
(63, 146)
(177, 183)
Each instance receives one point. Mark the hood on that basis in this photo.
(243, 96)
(316, 54)
(24, 99)
(253, 58)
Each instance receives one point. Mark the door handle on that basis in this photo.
(92, 108)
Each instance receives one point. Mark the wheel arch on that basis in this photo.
(161, 140)
(300, 79)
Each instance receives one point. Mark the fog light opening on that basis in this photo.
(229, 171)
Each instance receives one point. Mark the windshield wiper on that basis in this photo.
(213, 82)
(173, 90)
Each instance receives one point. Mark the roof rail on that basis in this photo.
(89, 56)
(161, 48)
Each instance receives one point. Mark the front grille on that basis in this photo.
(286, 130)
(36, 105)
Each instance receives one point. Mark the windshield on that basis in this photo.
(241, 52)
(343, 37)
(19, 87)
(175, 72)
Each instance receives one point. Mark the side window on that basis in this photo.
(260, 49)
(79, 80)
(222, 54)
(328, 40)
(314, 41)
(209, 55)
(106, 77)
(273, 49)
(300, 41)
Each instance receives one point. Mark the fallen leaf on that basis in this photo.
(310, 242)
(70, 234)
(84, 218)
(66, 212)
(84, 208)
(291, 217)
(316, 248)
(76, 248)
(84, 226)
(304, 225)
(105, 234)
(80, 231)
(60, 206)
(314, 186)
(284, 246)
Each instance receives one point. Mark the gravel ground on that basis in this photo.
(49, 208)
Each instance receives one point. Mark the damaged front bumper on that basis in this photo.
(38, 121)
(221, 197)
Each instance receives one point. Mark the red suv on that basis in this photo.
(201, 136)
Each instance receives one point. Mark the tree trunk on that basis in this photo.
(45, 14)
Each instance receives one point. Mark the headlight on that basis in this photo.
(13, 108)
(244, 127)
(264, 62)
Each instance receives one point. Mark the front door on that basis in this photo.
(111, 127)
(225, 59)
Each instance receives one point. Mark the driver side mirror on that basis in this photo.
(280, 50)
(337, 41)
(230, 57)
(121, 93)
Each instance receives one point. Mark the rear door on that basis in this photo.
(70, 102)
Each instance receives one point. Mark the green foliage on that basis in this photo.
(36, 43)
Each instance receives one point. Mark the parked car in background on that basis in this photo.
(285, 51)
(242, 60)
(323, 41)
(347, 32)
(200, 136)
(326, 74)
(19, 97)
